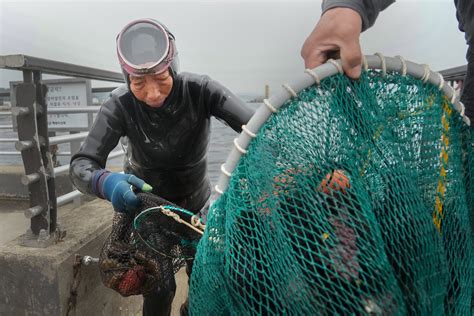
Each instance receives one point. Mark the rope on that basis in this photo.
(404, 65)
(453, 98)
(196, 222)
(384, 63)
(314, 75)
(426, 74)
(227, 173)
(239, 148)
(365, 64)
(269, 106)
(248, 132)
(176, 217)
(463, 108)
(441, 81)
(337, 65)
(218, 190)
(290, 90)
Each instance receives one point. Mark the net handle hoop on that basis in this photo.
(313, 76)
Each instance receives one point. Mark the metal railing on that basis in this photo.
(455, 73)
(34, 142)
(455, 76)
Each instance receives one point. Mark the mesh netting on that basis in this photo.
(355, 198)
(143, 253)
(163, 234)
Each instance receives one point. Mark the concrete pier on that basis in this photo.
(38, 281)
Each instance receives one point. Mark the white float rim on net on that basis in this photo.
(314, 76)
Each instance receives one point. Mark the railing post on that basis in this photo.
(41, 91)
(30, 112)
(36, 176)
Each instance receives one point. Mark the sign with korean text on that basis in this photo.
(67, 93)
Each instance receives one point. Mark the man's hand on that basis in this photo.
(337, 31)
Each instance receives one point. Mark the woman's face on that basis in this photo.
(152, 89)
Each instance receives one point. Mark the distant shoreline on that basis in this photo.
(256, 100)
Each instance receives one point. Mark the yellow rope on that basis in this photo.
(438, 213)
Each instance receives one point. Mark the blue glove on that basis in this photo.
(116, 187)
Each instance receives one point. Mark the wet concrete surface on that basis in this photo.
(13, 223)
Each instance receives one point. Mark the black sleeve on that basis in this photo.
(368, 9)
(226, 106)
(104, 135)
(465, 16)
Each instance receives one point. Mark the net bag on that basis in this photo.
(143, 253)
(345, 197)
(167, 229)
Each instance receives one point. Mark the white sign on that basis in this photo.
(67, 94)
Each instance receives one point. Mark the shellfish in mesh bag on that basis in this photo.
(143, 252)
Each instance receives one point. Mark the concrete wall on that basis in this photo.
(38, 281)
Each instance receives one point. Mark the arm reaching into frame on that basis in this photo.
(338, 32)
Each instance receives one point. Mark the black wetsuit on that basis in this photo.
(166, 147)
(370, 9)
(465, 16)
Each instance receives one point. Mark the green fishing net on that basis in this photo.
(356, 197)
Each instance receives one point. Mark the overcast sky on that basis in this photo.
(243, 44)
